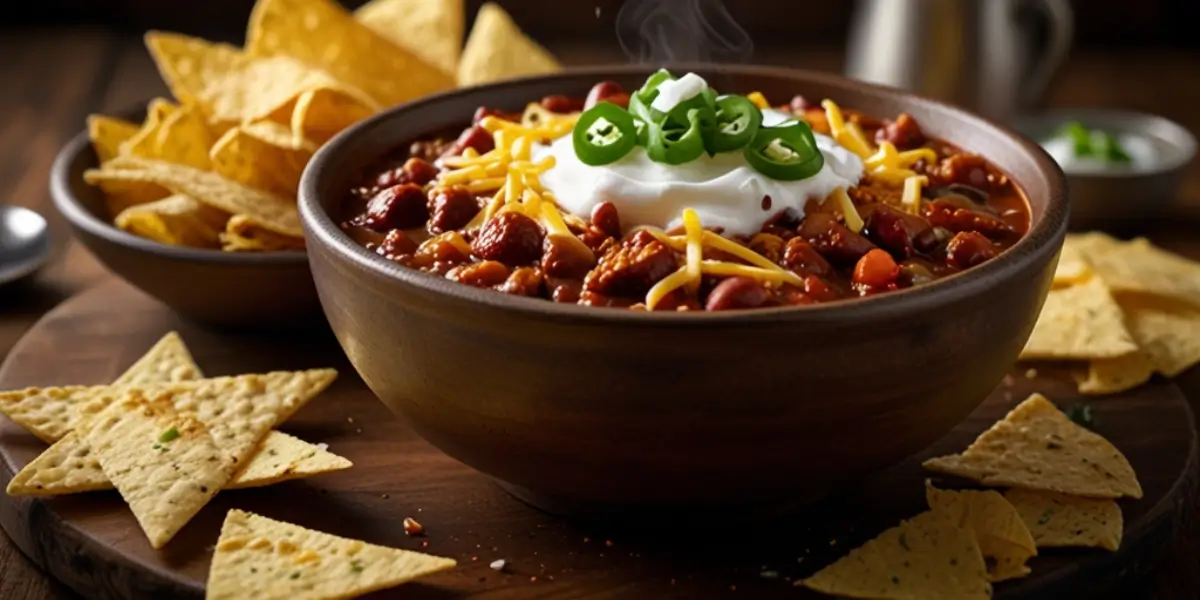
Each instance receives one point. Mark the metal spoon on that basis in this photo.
(24, 242)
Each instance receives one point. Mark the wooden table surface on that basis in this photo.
(53, 78)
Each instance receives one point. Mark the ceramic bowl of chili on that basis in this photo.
(579, 408)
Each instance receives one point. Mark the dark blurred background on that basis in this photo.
(1100, 23)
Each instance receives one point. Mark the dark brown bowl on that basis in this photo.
(272, 290)
(575, 407)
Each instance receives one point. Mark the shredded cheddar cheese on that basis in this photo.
(728, 269)
(894, 167)
(759, 100)
(695, 238)
(910, 199)
(849, 135)
(849, 212)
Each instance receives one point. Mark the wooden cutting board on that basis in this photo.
(91, 542)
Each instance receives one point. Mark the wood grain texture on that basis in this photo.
(89, 69)
(92, 543)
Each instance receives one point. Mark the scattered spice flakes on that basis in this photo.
(168, 435)
(412, 527)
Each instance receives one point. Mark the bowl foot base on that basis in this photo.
(663, 514)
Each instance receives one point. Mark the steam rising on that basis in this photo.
(665, 31)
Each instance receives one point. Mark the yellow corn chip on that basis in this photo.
(926, 557)
(168, 360)
(431, 29)
(998, 528)
(1038, 447)
(1072, 267)
(1167, 333)
(145, 141)
(107, 135)
(164, 464)
(268, 211)
(1059, 520)
(1079, 322)
(184, 138)
(178, 220)
(260, 558)
(282, 457)
(1140, 267)
(323, 113)
(323, 35)
(243, 235)
(281, 136)
(229, 85)
(1112, 375)
(50, 412)
(70, 467)
(250, 161)
(498, 50)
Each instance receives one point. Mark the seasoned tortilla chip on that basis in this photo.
(431, 29)
(321, 34)
(498, 50)
(320, 114)
(145, 141)
(178, 220)
(1141, 268)
(164, 464)
(1167, 333)
(1002, 535)
(282, 457)
(167, 361)
(1058, 520)
(107, 135)
(257, 557)
(280, 136)
(1038, 447)
(243, 235)
(267, 210)
(184, 138)
(1112, 375)
(1079, 322)
(1072, 267)
(928, 556)
(252, 162)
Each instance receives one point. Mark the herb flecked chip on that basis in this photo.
(1058, 520)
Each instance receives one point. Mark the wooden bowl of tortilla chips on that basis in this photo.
(193, 199)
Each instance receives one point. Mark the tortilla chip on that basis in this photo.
(1003, 538)
(1140, 267)
(229, 85)
(280, 135)
(250, 161)
(168, 360)
(178, 220)
(164, 464)
(498, 50)
(51, 412)
(257, 557)
(70, 467)
(1112, 375)
(145, 141)
(1079, 322)
(1072, 267)
(1038, 447)
(431, 29)
(185, 138)
(1058, 520)
(321, 34)
(928, 556)
(268, 211)
(243, 235)
(320, 114)
(107, 135)
(282, 457)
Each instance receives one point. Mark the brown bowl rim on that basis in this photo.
(74, 212)
(321, 229)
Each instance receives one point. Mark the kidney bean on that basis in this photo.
(818, 290)
(970, 169)
(565, 291)
(483, 112)
(946, 212)
(566, 257)
(524, 281)
(896, 231)
(419, 171)
(801, 258)
(737, 292)
(398, 207)
(395, 244)
(451, 208)
(793, 296)
(472, 137)
(969, 248)
(439, 255)
(607, 91)
(511, 238)
(590, 298)
(876, 269)
(485, 274)
(430, 150)
(606, 219)
(903, 133)
(836, 242)
(630, 268)
(562, 104)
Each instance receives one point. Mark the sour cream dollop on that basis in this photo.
(724, 190)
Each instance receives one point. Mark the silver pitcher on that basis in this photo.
(979, 54)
